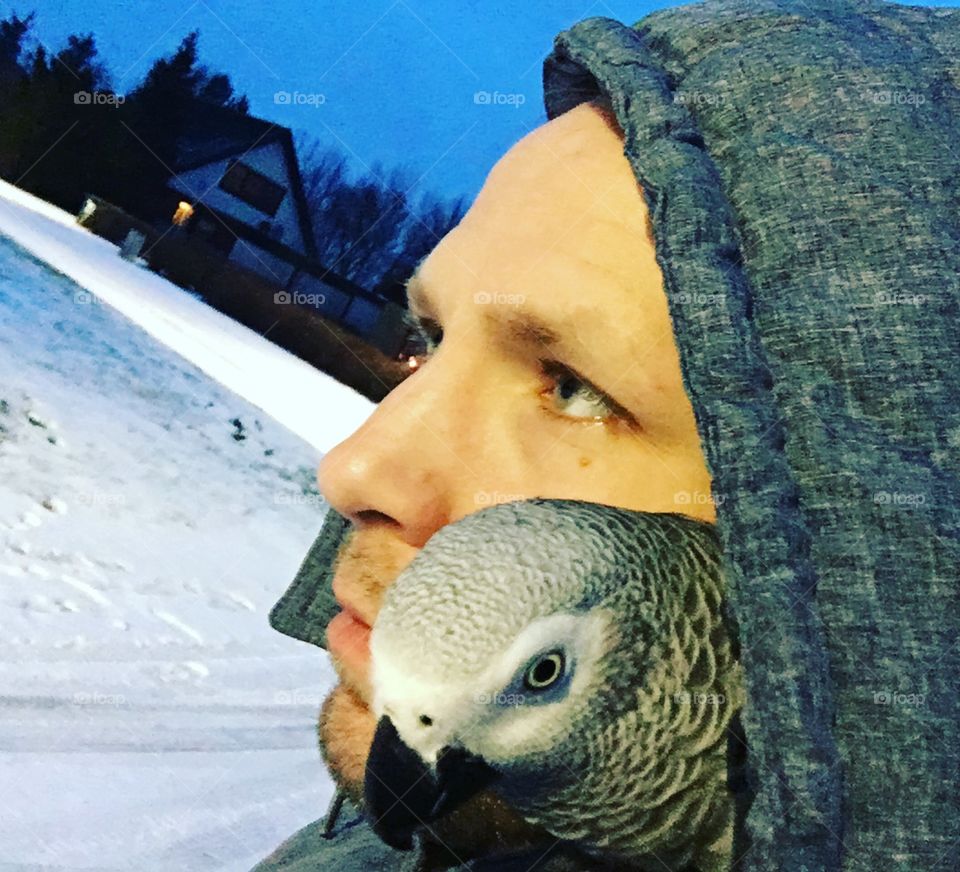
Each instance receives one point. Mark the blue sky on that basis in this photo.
(396, 79)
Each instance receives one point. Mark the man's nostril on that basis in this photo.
(372, 516)
(426, 720)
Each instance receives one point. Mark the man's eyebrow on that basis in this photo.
(520, 327)
(524, 327)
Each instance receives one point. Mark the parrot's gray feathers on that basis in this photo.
(580, 652)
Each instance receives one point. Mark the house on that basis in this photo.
(238, 180)
(237, 186)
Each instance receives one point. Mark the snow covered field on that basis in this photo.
(149, 517)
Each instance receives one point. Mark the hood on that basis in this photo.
(801, 164)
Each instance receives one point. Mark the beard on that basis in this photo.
(345, 731)
(483, 825)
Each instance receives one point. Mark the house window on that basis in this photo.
(183, 213)
(252, 187)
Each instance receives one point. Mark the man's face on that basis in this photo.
(555, 374)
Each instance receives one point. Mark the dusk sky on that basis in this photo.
(391, 81)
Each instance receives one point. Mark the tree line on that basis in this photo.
(65, 132)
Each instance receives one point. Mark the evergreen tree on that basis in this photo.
(13, 30)
(161, 110)
(54, 123)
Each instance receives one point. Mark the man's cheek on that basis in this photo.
(353, 673)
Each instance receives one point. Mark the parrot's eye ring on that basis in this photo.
(544, 671)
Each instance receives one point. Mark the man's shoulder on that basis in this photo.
(352, 846)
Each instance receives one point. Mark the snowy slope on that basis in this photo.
(149, 517)
(317, 408)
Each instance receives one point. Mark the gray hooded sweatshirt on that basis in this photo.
(801, 164)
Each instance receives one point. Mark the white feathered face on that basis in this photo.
(512, 707)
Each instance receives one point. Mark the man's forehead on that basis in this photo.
(566, 183)
(567, 316)
(592, 260)
(499, 304)
(560, 228)
(581, 165)
(577, 133)
(564, 273)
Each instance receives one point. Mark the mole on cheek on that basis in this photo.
(585, 461)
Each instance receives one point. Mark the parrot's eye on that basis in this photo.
(544, 671)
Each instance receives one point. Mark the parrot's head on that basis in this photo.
(490, 653)
(511, 704)
(501, 721)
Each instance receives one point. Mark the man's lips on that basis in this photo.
(348, 640)
(361, 576)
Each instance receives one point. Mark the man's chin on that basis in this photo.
(345, 731)
(483, 825)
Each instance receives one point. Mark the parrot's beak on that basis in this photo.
(402, 794)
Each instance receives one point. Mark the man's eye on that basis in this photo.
(569, 395)
(574, 397)
(430, 333)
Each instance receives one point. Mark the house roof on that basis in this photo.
(218, 132)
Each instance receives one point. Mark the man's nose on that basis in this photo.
(411, 461)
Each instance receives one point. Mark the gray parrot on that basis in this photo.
(576, 660)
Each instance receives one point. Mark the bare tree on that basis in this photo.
(368, 228)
